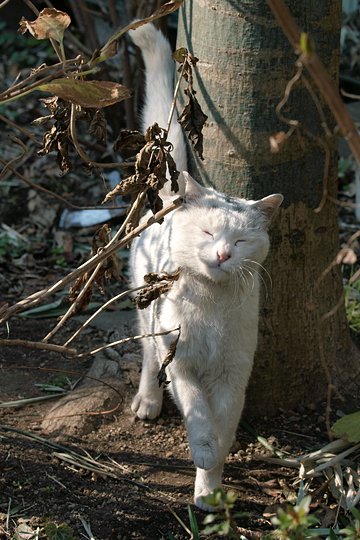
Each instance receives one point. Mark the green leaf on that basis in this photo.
(89, 94)
(193, 524)
(58, 532)
(348, 427)
(332, 535)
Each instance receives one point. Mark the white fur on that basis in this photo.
(219, 243)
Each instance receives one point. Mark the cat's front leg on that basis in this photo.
(197, 415)
(226, 404)
(148, 401)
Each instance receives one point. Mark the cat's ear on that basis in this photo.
(269, 205)
(193, 190)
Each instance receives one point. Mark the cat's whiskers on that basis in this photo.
(262, 267)
(249, 275)
(261, 277)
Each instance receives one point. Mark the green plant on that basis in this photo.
(58, 254)
(352, 531)
(58, 532)
(294, 522)
(11, 246)
(222, 523)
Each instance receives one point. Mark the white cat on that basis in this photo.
(219, 242)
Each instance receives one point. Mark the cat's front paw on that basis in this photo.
(200, 502)
(145, 407)
(205, 453)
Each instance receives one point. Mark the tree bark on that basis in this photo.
(245, 63)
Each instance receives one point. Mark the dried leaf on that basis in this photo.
(346, 256)
(154, 277)
(277, 141)
(180, 55)
(150, 171)
(50, 24)
(98, 126)
(100, 55)
(129, 142)
(91, 94)
(161, 376)
(158, 284)
(192, 119)
(147, 295)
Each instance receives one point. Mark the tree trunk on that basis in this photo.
(245, 63)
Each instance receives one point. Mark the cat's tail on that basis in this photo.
(159, 75)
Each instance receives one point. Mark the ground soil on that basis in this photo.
(155, 476)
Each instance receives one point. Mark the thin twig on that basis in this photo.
(37, 345)
(176, 91)
(98, 311)
(126, 340)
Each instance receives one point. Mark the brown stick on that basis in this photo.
(37, 345)
(319, 74)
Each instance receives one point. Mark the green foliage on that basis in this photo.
(11, 246)
(58, 532)
(58, 253)
(348, 427)
(352, 531)
(222, 522)
(294, 522)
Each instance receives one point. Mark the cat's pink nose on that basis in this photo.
(223, 255)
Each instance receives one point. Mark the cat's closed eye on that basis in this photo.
(208, 233)
(238, 242)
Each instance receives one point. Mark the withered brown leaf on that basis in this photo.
(193, 119)
(129, 142)
(97, 126)
(161, 376)
(50, 23)
(158, 284)
(91, 94)
(151, 165)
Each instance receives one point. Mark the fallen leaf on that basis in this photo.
(50, 24)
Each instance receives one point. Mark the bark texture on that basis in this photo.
(245, 64)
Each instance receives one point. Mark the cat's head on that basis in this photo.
(217, 236)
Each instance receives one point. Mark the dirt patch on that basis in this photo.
(155, 475)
